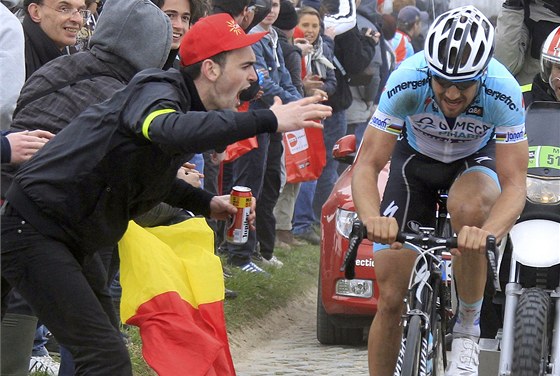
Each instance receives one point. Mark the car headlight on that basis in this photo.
(361, 288)
(543, 191)
(344, 220)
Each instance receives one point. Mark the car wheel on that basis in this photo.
(330, 334)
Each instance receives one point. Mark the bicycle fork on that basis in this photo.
(424, 369)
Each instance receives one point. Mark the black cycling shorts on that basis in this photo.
(414, 180)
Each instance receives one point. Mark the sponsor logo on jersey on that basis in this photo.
(380, 123)
(391, 210)
(499, 96)
(475, 110)
(515, 136)
(407, 85)
(462, 129)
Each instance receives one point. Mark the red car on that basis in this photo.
(344, 307)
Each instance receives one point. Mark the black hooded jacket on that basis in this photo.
(119, 158)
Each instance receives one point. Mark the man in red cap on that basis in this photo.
(117, 160)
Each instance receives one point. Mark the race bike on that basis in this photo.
(530, 342)
(427, 303)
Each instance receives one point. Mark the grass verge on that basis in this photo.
(257, 295)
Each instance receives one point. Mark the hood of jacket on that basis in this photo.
(368, 9)
(136, 31)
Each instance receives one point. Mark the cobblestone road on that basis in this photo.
(286, 344)
(291, 348)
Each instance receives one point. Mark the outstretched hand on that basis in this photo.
(300, 114)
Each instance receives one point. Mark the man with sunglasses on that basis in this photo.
(450, 117)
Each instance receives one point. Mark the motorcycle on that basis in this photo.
(530, 338)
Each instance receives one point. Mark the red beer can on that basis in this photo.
(238, 225)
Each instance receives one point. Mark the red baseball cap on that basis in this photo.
(212, 35)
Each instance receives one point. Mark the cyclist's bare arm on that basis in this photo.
(511, 167)
(373, 155)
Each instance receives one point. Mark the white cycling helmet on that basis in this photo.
(550, 53)
(460, 44)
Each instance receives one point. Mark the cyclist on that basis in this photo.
(451, 117)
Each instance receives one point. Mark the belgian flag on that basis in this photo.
(173, 290)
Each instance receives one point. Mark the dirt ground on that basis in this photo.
(242, 342)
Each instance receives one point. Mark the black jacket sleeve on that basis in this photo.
(184, 195)
(6, 149)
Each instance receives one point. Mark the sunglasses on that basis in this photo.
(461, 85)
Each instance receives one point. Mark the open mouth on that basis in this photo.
(237, 100)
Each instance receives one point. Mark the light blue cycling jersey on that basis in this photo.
(408, 101)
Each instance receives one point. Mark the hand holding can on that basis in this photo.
(238, 225)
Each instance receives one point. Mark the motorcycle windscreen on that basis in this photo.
(542, 124)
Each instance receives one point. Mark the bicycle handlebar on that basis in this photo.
(359, 232)
(427, 240)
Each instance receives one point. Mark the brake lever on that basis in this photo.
(356, 236)
(491, 253)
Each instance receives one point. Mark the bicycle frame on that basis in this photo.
(426, 301)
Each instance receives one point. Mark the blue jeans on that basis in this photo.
(40, 341)
(304, 217)
(334, 129)
(198, 161)
(358, 129)
(312, 195)
(67, 366)
(260, 170)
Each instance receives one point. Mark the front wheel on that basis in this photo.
(532, 324)
(437, 352)
(412, 351)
